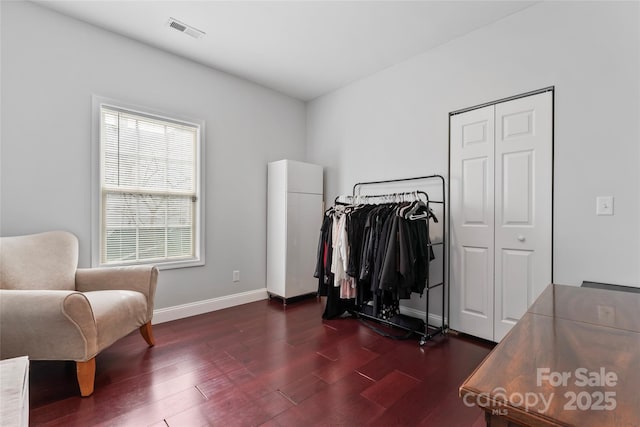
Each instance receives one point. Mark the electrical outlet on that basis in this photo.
(604, 205)
(236, 275)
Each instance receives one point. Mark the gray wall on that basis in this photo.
(394, 124)
(51, 65)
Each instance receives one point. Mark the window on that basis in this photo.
(149, 189)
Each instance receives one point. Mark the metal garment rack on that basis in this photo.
(430, 331)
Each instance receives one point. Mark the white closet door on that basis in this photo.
(523, 194)
(472, 222)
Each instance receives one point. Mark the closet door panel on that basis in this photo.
(475, 192)
(472, 222)
(473, 282)
(514, 300)
(523, 189)
(517, 189)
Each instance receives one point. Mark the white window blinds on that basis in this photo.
(149, 188)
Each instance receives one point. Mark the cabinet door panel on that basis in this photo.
(304, 213)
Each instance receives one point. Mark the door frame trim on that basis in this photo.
(551, 89)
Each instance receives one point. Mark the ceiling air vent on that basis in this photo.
(184, 28)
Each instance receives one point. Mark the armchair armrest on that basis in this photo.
(47, 325)
(141, 278)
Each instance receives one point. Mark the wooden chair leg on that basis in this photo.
(86, 372)
(147, 334)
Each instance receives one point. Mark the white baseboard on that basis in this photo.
(176, 312)
(182, 311)
(434, 319)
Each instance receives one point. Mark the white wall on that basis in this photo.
(395, 123)
(51, 65)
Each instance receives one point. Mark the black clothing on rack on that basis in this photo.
(387, 256)
(335, 306)
(370, 256)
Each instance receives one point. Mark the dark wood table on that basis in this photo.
(572, 360)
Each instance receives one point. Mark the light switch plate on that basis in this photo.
(604, 205)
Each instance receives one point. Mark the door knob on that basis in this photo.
(521, 238)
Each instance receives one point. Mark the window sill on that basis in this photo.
(170, 265)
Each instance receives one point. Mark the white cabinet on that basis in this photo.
(294, 215)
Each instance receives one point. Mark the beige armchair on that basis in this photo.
(52, 310)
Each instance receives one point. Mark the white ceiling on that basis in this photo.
(301, 48)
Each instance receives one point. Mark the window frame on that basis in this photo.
(96, 183)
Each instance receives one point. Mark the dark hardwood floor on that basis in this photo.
(259, 364)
